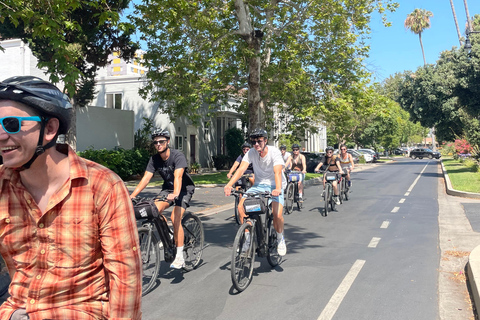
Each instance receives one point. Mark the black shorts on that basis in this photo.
(183, 199)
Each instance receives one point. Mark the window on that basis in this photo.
(114, 100)
(116, 61)
(117, 69)
(179, 143)
(206, 131)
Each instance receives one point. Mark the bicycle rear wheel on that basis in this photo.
(193, 243)
(4, 277)
(243, 257)
(326, 199)
(289, 198)
(150, 253)
(272, 255)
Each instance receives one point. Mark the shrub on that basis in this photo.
(220, 161)
(362, 159)
(234, 139)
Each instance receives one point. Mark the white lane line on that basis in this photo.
(416, 180)
(337, 298)
(385, 224)
(407, 194)
(395, 209)
(401, 200)
(374, 242)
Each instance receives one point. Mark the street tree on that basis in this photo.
(417, 21)
(272, 56)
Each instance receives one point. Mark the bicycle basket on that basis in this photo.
(254, 205)
(331, 176)
(294, 177)
(145, 210)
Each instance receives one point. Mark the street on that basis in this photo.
(377, 257)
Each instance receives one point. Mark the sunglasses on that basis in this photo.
(162, 142)
(246, 149)
(254, 142)
(343, 149)
(12, 125)
(295, 149)
(329, 151)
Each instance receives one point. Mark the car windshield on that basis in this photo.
(429, 150)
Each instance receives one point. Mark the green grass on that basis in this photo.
(463, 178)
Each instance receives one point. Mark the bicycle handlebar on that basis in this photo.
(266, 194)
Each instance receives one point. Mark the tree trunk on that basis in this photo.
(255, 102)
(456, 23)
(423, 52)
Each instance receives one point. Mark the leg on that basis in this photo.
(176, 217)
(241, 210)
(335, 187)
(277, 211)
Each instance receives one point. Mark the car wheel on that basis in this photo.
(420, 157)
(430, 156)
(413, 156)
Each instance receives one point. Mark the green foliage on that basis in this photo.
(70, 39)
(234, 139)
(125, 163)
(221, 161)
(362, 159)
(143, 136)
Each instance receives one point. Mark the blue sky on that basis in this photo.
(395, 49)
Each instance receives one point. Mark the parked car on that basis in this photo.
(421, 153)
(355, 155)
(367, 155)
(375, 154)
(313, 159)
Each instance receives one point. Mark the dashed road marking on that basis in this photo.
(374, 242)
(395, 209)
(407, 194)
(385, 224)
(401, 200)
(337, 298)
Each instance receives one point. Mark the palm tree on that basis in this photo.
(456, 23)
(469, 24)
(417, 21)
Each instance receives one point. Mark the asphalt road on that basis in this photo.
(377, 257)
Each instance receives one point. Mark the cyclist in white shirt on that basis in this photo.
(285, 153)
(268, 166)
(346, 162)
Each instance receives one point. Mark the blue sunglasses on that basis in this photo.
(12, 125)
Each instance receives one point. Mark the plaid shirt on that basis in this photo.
(79, 259)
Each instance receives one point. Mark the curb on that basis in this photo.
(473, 264)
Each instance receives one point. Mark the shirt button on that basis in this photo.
(134, 248)
(32, 301)
(7, 220)
(41, 225)
(29, 201)
(42, 251)
(39, 277)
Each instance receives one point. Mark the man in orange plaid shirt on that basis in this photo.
(67, 228)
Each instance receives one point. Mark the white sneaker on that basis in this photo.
(336, 199)
(178, 263)
(282, 247)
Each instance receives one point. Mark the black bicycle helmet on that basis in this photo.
(295, 146)
(246, 145)
(259, 133)
(41, 95)
(160, 133)
(283, 147)
(329, 148)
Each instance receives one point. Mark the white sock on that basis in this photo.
(247, 237)
(300, 194)
(279, 236)
(180, 252)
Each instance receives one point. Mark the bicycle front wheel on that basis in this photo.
(289, 198)
(326, 199)
(272, 255)
(193, 243)
(150, 253)
(4, 277)
(243, 257)
(237, 216)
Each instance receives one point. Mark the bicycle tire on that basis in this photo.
(235, 208)
(340, 192)
(193, 241)
(290, 193)
(150, 258)
(242, 261)
(4, 277)
(346, 194)
(326, 199)
(273, 257)
(332, 201)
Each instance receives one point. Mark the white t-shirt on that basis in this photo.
(263, 167)
(286, 155)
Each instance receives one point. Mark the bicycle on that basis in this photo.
(146, 211)
(328, 191)
(263, 239)
(292, 191)
(344, 188)
(244, 184)
(4, 277)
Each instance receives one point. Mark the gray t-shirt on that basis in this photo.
(263, 167)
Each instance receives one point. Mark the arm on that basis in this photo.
(232, 169)
(339, 166)
(238, 174)
(304, 161)
(177, 183)
(121, 253)
(351, 162)
(288, 163)
(143, 183)
(277, 169)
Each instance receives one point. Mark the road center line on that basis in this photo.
(385, 224)
(416, 180)
(337, 298)
(401, 200)
(395, 209)
(374, 242)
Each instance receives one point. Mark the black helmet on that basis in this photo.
(329, 148)
(283, 147)
(41, 95)
(246, 145)
(161, 133)
(259, 133)
(295, 146)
